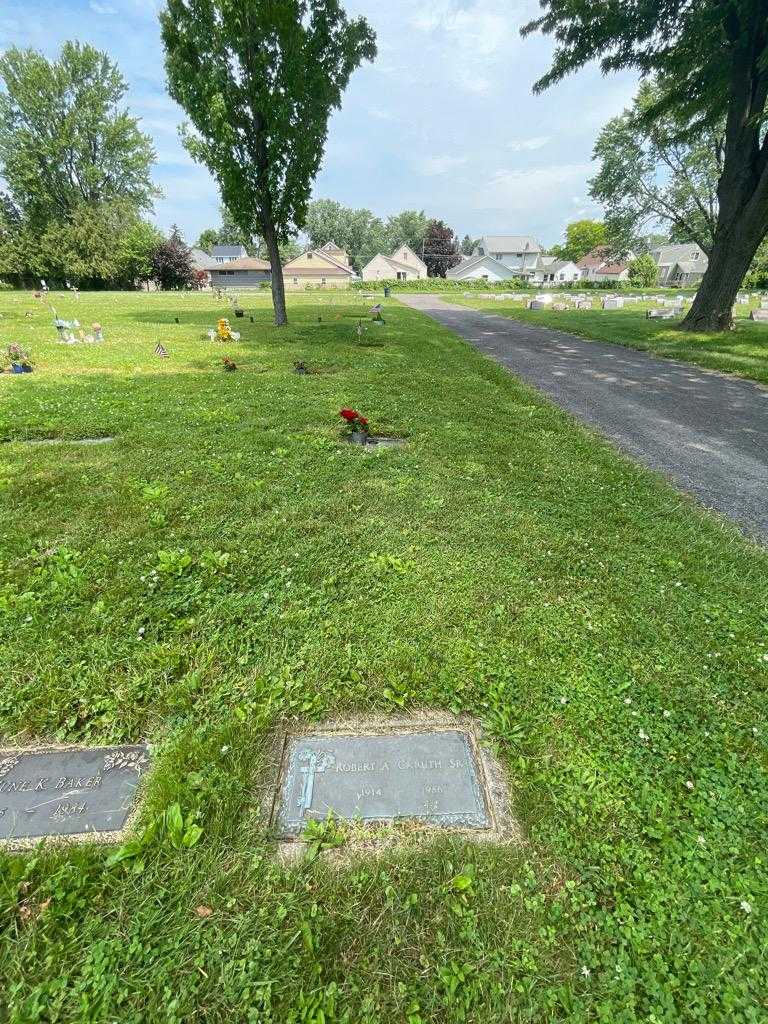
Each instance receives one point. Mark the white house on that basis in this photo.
(402, 265)
(680, 265)
(480, 268)
(519, 253)
(550, 270)
(539, 270)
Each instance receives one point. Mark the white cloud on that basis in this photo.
(529, 145)
(470, 40)
(431, 165)
(519, 192)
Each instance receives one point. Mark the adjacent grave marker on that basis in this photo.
(429, 776)
(72, 791)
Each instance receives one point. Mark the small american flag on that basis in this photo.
(161, 350)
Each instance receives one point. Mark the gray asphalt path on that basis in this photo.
(706, 432)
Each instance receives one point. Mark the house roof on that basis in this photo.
(246, 263)
(328, 266)
(473, 261)
(692, 266)
(613, 269)
(229, 250)
(594, 259)
(553, 268)
(201, 260)
(666, 255)
(510, 243)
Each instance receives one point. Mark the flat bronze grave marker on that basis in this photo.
(428, 776)
(72, 791)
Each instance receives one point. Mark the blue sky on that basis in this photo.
(444, 120)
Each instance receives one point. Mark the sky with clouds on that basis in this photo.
(444, 120)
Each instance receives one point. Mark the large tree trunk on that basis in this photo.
(733, 251)
(278, 285)
(742, 191)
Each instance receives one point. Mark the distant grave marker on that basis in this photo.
(429, 776)
(70, 792)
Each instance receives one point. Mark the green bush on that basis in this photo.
(441, 284)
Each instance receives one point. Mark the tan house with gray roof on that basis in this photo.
(327, 267)
(402, 265)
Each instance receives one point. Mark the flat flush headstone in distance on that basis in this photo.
(68, 792)
(431, 777)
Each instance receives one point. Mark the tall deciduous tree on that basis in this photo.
(441, 249)
(360, 232)
(711, 63)
(581, 237)
(64, 138)
(409, 227)
(259, 80)
(650, 173)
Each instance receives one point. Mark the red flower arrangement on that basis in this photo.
(356, 423)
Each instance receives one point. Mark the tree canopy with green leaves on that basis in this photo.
(65, 141)
(643, 271)
(581, 237)
(710, 61)
(259, 81)
(650, 173)
(361, 232)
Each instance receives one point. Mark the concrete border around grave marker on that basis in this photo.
(25, 844)
(377, 835)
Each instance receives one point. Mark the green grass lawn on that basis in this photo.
(227, 564)
(743, 351)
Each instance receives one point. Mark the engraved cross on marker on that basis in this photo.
(315, 764)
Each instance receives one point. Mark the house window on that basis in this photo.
(309, 255)
(400, 276)
(227, 273)
(295, 280)
(498, 255)
(322, 280)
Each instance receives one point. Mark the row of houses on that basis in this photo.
(230, 266)
(496, 258)
(501, 257)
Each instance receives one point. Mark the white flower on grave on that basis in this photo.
(586, 971)
(563, 700)
(627, 700)
(689, 784)
(764, 657)
(701, 841)
(225, 748)
(643, 735)
(746, 907)
(755, 730)
(666, 714)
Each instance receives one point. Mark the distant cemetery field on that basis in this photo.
(743, 351)
(223, 565)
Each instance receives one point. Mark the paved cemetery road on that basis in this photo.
(706, 432)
